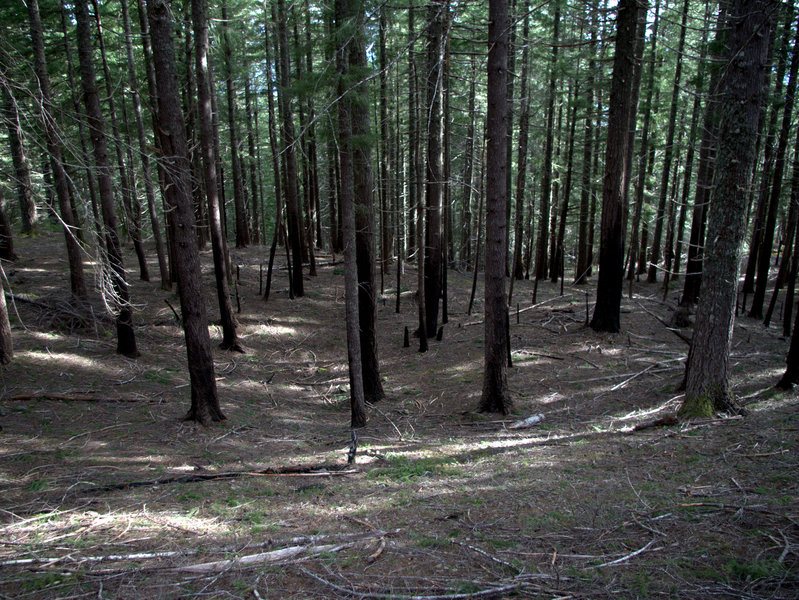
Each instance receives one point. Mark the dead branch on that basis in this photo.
(627, 557)
(296, 471)
(488, 593)
(79, 398)
(274, 556)
(665, 324)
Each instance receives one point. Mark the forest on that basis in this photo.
(431, 300)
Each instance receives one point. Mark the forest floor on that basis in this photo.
(106, 493)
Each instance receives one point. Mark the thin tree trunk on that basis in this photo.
(434, 188)
(6, 236)
(126, 339)
(764, 253)
(546, 178)
(22, 173)
(129, 200)
(287, 130)
(205, 92)
(204, 400)
(6, 342)
(253, 165)
(77, 279)
(344, 12)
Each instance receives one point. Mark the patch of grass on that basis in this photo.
(37, 485)
(402, 468)
(751, 571)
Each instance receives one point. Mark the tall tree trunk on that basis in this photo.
(383, 187)
(704, 175)
(546, 178)
(517, 271)
(364, 209)
(468, 172)
(764, 253)
(126, 339)
(6, 342)
(768, 136)
(434, 189)
(413, 136)
(22, 173)
(54, 140)
(129, 200)
(6, 236)
(144, 155)
(654, 257)
(204, 400)
(252, 162)
(287, 131)
(791, 284)
(205, 92)
(636, 247)
(707, 385)
(242, 228)
(496, 396)
(583, 248)
(344, 13)
(559, 258)
(611, 250)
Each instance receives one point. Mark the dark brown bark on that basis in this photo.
(496, 396)
(767, 242)
(22, 173)
(517, 271)
(638, 244)
(583, 248)
(144, 156)
(434, 188)
(6, 342)
(345, 13)
(242, 228)
(6, 236)
(126, 339)
(291, 193)
(253, 166)
(204, 400)
(230, 339)
(364, 211)
(129, 200)
(549, 143)
(742, 86)
(77, 279)
(611, 252)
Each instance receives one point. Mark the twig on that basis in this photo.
(627, 557)
(77, 398)
(273, 556)
(626, 381)
(489, 593)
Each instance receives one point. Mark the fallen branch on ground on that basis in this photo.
(274, 556)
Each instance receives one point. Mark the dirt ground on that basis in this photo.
(106, 493)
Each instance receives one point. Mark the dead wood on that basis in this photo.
(664, 422)
(273, 556)
(325, 470)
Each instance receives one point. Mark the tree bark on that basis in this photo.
(126, 339)
(611, 251)
(230, 339)
(77, 279)
(434, 188)
(495, 396)
(742, 86)
(22, 173)
(204, 400)
(287, 131)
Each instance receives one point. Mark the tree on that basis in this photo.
(126, 338)
(611, 249)
(143, 153)
(22, 174)
(242, 229)
(364, 203)
(434, 187)
(204, 401)
(230, 339)
(6, 343)
(344, 16)
(290, 192)
(496, 396)
(54, 141)
(6, 236)
(707, 387)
